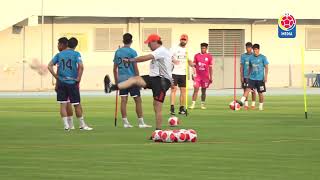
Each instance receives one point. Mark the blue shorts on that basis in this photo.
(134, 92)
(68, 93)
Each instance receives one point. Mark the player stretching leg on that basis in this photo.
(69, 73)
(258, 75)
(159, 78)
(202, 64)
(123, 71)
(61, 47)
(179, 59)
(244, 74)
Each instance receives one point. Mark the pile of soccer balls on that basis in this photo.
(172, 136)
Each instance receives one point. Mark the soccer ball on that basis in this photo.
(180, 135)
(288, 21)
(192, 135)
(234, 106)
(173, 121)
(156, 135)
(167, 136)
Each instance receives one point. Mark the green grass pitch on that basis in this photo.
(277, 144)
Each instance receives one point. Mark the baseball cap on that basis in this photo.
(152, 37)
(184, 36)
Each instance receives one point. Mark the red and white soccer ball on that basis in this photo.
(173, 121)
(181, 136)
(168, 136)
(234, 106)
(191, 135)
(156, 135)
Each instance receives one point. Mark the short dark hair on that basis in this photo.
(63, 40)
(256, 46)
(249, 44)
(127, 38)
(159, 42)
(72, 42)
(204, 45)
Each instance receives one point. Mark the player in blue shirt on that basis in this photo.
(244, 74)
(122, 71)
(68, 75)
(258, 75)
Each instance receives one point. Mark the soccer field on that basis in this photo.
(277, 143)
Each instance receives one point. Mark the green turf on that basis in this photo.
(277, 144)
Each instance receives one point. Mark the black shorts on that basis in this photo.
(159, 86)
(245, 84)
(134, 92)
(179, 80)
(258, 85)
(68, 93)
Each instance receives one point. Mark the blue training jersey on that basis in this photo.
(125, 70)
(257, 65)
(245, 61)
(67, 62)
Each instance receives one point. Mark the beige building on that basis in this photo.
(99, 26)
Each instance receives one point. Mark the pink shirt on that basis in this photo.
(202, 63)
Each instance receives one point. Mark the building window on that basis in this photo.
(108, 39)
(164, 33)
(312, 38)
(223, 41)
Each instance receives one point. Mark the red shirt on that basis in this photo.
(202, 63)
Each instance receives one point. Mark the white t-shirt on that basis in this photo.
(179, 54)
(161, 65)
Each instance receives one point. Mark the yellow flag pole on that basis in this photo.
(304, 84)
(187, 81)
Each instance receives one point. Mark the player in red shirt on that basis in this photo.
(202, 64)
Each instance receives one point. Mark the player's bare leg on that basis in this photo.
(203, 97)
(246, 103)
(70, 116)
(124, 101)
(79, 114)
(245, 96)
(194, 97)
(173, 99)
(261, 100)
(158, 111)
(64, 116)
(253, 96)
(139, 112)
(182, 100)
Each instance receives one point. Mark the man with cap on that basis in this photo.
(159, 79)
(179, 58)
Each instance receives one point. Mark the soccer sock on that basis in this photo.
(81, 121)
(65, 121)
(243, 99)
(193, 103)
(125, 121)
(140, 120)
(260, 105)
(114, 87)
(253, 103)
(246, 103)
(172, 107)
(70, 120)
(202, 102)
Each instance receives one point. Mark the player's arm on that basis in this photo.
(266, 71)
(140, 58)
(51, 70)
(241, 72)
(211, 69)
(115, 72)
(80, 71)
(136, 69)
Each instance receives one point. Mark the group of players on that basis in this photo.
(168, 69)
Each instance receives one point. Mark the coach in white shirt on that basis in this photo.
(179, 58)
(159, 78)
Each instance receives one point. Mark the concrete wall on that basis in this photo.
(280, 52)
